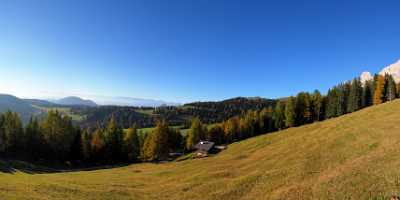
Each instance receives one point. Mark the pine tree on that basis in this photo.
(13, 131)
(33, 139)
(331, 102)
(2, 135)
(195, 134)
(379, 90)
(113, 138)
(317, 106)
(279, 116)
(302, 109)
(216, 134)
(131, 144)
(390, 91)
(398, 90)
(156, 146)
(290, 112)
(355, 94)
(343, 94)
(367, 94)
(86, 144)
(58, 133)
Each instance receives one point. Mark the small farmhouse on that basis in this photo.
(203, 149)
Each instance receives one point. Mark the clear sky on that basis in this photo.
(190, 50)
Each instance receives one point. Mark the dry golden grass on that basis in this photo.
(356, 156)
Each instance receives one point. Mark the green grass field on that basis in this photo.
(356, 156)
(63, 110)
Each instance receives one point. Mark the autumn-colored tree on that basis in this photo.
(113, 138)
(379, 90)
(317, 106)
(156, 145)
(58, 133)
(131, 144)
(231, 129)
(290, 114)
(98, 145)
(195, 133)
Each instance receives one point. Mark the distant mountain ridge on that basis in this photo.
(130, 101)
(20, 106)
(75, 101)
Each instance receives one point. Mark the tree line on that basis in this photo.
(304, 108)
(56, 138)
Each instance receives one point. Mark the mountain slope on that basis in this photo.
(75, 101)
(392, 69)
(351, 157)
(23, 108)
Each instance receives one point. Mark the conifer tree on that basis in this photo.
(398, 90)
(195, 134)
(58, 133)
(317, 106)
(302, 109)
(379, 90)
(390, 88)
(231, 129)
(2, 135)
(86, 144)
(131, 144)
(354, 99)
(98, 146)
(367, 94)
(216, 134)
(33, 139)
(279, 116)
(113, 138)
(290, 112)
(332, 100)
(13, 131)
(156, 146)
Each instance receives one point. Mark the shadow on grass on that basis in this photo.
(14, 166)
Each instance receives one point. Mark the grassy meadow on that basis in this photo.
(355, 156)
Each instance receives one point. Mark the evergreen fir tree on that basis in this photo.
(390, 90)
(317, 106)
(113, 138)
(279, 116)
(367, 94)
(33, 139)
(131, 144)
(290, 112)
(86, 144)
(355, 96)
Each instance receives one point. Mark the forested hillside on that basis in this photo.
(59, 139)
(350, 157)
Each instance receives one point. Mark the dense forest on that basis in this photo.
(208, 112)
(56, 138)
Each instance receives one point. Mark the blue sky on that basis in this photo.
(182, 50)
